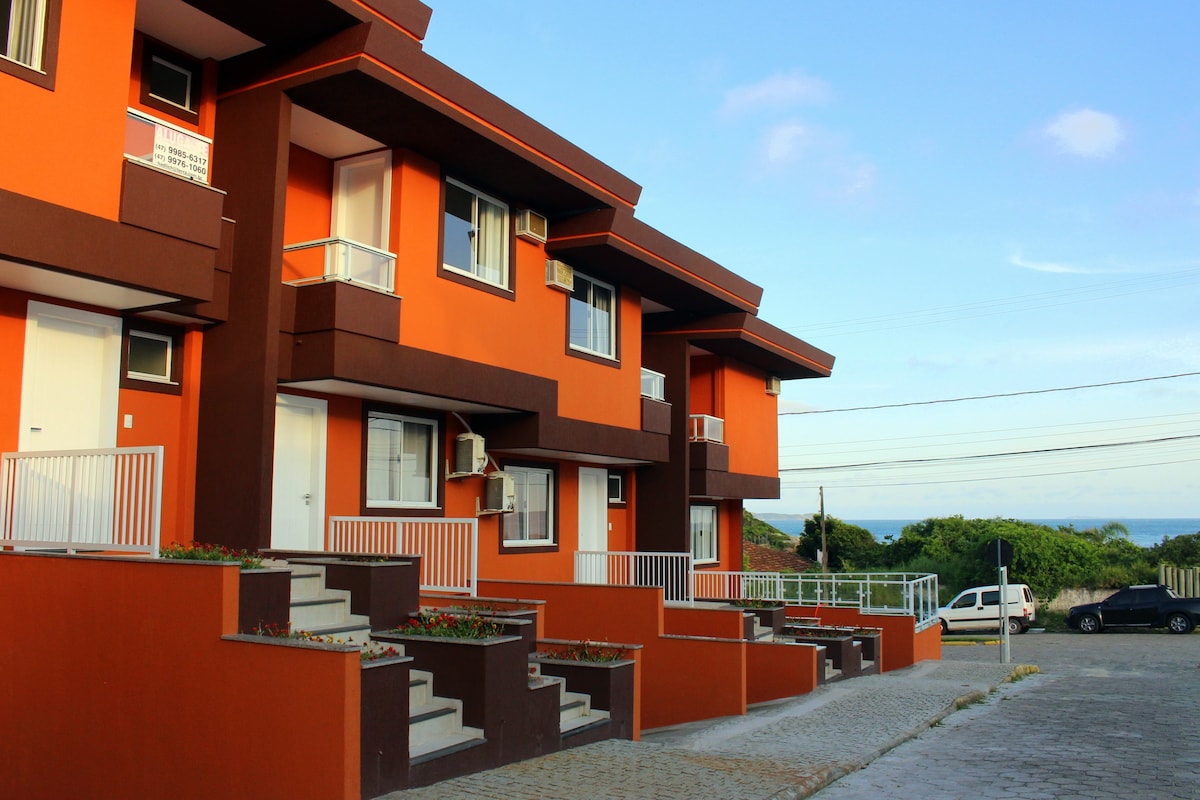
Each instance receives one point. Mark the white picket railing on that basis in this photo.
(670, 572)
(104, 499)
(449, 548)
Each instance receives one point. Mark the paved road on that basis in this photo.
(1115, 715)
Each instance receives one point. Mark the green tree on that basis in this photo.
(850, 547)
(760, 532)
(1178, 551)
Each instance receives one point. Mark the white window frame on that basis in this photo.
(430, 501)
(587, 339)
(477, 270)
(188, 89)
(517, 520)
(31, 38)
(150, 376)
(704, 551)
(616, 480)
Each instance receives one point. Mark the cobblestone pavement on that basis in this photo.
(1110, 716)
(783, 750)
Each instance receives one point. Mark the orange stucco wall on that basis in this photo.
(672, 689)
(81, 122)
(141, 697)
(737, 394)
(901, 645)
(723, 623)
(779, 670)
(13, 307)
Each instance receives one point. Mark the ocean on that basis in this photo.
(1142, 532)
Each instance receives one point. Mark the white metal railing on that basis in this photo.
(670, 572)
(706, 428)
(346, 260)
(654, 385)
(105, 499)
(449, 548)
(167, 146)
(870, 592)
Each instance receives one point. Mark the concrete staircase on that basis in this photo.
(435, 726)
(322, 611)
(575, 712)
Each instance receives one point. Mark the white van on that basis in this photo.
(976, 609)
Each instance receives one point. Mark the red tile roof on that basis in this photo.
(761, 558)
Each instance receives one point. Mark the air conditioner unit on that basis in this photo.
(531, 225)
(469, 455)
(501, 492)
(560, 275)
(774, 386)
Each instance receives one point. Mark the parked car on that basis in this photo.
(977, 608)
(1145, 606)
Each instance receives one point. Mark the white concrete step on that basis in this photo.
(444, 745)
(420, 687)
(307, 580)
(438, 717)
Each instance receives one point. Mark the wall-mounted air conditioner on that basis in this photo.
(501, 492)
(531, 225)
(774, 386)
(560, 275)
(469, 455)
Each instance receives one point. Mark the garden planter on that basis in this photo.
(840, 649)
(264, 598)
(773, 618)
(870, 639)
(383, 726)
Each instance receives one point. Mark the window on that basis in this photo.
(704, 534)
(170, 81)
(149, 357)
(531, 521)
(23, 28)
(616, 487)
(475, 235)
(29, 39)
(593, 317)
(401, 454)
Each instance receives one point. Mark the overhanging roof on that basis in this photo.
(748, 339)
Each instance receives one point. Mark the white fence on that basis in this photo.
(870, 592)
(449, 548)
(107, 499)
(671, 572)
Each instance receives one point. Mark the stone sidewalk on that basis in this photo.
(786, 749)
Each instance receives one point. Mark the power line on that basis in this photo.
(989, 396)
(990, 478)
(985, 456)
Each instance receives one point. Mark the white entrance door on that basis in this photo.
(298, 497)
(70, 380)
(362, 198)
(593, 520)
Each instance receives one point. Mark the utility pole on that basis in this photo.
(824, 546)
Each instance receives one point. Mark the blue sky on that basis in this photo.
(955, 199)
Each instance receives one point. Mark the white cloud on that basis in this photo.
(777, 91)
(786, 142)
(1018, 260)
(1086, 133)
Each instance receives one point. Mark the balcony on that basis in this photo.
(335, 259)
(166, 146)
(653, 385)
(656, 411)
(705, 428)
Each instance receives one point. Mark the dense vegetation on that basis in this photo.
(1048, 559)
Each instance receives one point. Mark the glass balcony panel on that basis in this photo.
(653, 384)
(339, 260)
(706, 428)
(166, 146)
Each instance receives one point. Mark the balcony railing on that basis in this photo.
(449, 548)
(707, 428)
(670, 572)
(344, 260)
(654, 385)
(870, 592)
(167, 146)
(108, 499)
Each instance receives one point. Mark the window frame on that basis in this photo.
(470, 276)
(44, 74)
(616, 498)
(154, 50)
(613, 339)
(715, 557)
(526, 545)
(383, 507)
(133, 327)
